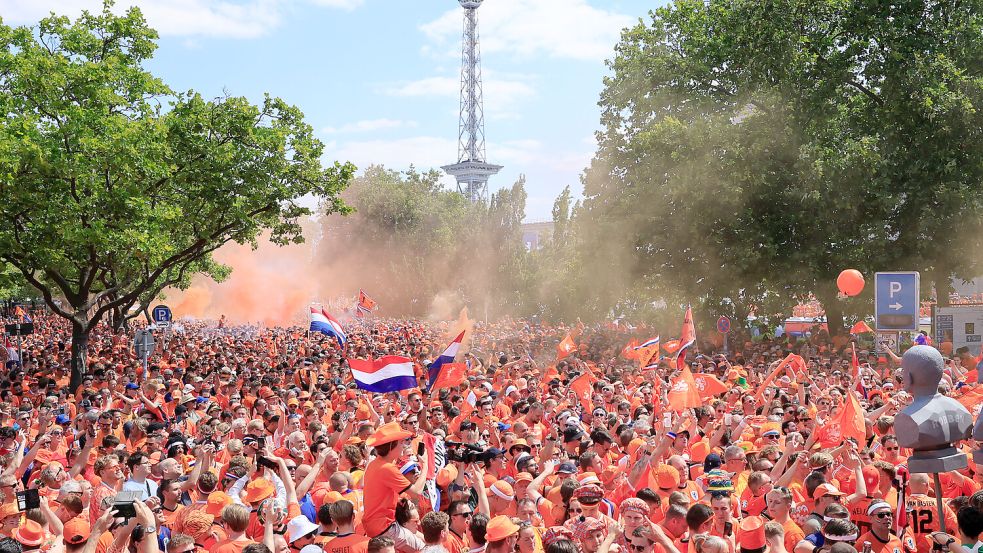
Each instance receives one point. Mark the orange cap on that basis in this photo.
(698, 451)
(29, 533)
(498, 528)
(752, 533)
(446, 475)
(386, 433)
(258, 490)
(77, 530)
(216, 502)
(667, 477)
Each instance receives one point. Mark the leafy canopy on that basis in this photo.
(114, 185)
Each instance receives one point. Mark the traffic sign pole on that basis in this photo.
(723, 327)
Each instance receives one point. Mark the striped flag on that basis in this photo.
(648, 354)
(390, 373)
(365, 304)
(446, 358)
(324, 323)
(687, 338)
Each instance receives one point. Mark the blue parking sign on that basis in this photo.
(161, 314)
(896, 300)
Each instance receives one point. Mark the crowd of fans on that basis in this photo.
(256, 440)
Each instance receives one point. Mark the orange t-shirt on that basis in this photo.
(383, 484)
(351, 543)
(229, 546)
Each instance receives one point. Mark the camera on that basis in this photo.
(470, 453)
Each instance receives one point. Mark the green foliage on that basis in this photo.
(418, 241)
(752, 150)
(12, 284)
(114, 185)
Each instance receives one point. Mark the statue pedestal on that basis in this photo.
(937, 460)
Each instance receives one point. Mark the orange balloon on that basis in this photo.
(850, 282)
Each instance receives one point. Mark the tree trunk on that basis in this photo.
(80, 344)
(943, 286)
(118, 319)
(834, 312)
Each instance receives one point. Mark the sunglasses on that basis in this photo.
(638, 548)
(886, 514)
(577, 511)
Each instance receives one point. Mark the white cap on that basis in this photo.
(300, 526)
(311, 548)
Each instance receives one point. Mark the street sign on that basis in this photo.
(143, 343)
(887, 340)
(162, 315)
(19, 329)
(723, 325)
(896, 301)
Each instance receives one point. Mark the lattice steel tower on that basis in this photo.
(471, 170)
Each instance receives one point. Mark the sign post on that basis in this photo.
(723, 327)
(143, 343)
(896, 301)
(19, 330)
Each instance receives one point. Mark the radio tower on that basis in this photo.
(471, 170)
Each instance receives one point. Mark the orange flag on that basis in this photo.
(565, 347)
(671, 346)
(581, 386)
(848, 423)
(687, 338)
(860, 328)
(629, 351)
(709, 385)
(684, 393)
(451, 374)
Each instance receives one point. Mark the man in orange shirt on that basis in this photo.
(880, 537)
(460, 513)
(236, 520)
(347, 541)
(384, 483)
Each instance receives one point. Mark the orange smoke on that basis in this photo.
(272, 285)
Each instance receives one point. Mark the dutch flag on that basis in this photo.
(385, 374)
(326, 324)
(650, 343)
(447, 357)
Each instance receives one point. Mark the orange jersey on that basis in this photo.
(858, 513)
(894, 544)
(923, 519)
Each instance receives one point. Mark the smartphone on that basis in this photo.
(125, 510)
(421, 450)
(28, 499)
(266, 462)
(124, 504)
(728, 528)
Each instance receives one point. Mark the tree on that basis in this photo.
(751, 150)
(114, 185)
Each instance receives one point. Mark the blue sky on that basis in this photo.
(379, 79)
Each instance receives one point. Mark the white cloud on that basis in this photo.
(558, 28)
(211, 18)
(370, 125)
